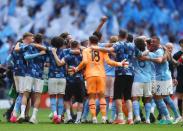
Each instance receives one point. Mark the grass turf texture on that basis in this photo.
(46, 125)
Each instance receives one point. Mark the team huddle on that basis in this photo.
(91, 73)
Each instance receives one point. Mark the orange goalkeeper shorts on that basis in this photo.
(96, 85)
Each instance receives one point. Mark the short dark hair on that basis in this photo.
(180, 41)
(84, 43)
(98, 34)
(57, 42)
(93, 39)
(148, 41)
(123, 33)
(27, 34)
(64, 35)
(140, 44)
(130, 38)
(38, 38)
(20, 40)
(156, 37)
(74, 44)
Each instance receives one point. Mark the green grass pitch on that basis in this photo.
(46, 125)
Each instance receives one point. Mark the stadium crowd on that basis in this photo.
(76, 68)
(49, 17)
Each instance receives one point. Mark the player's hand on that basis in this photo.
(175, 82)
(47, 64)
(164, 48)
(104, 19)
(42, 52)
(72, 70)
(124, 63)
(54, 50)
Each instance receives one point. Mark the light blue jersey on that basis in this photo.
(143, 71)
(153, 71)
(162, 70)
(109, 70)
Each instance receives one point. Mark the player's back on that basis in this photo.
(35, 65)
(143, 71)
(73, 60)
(54, 70)
(95, 62)
(162, 70)
(20, 64)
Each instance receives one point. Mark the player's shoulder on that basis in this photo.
(131, 45)
(65, 51)
(87, 50)
(160, 50)
(118, 43)
(102, 44)
(25, 47)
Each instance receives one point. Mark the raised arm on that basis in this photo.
(103, 20)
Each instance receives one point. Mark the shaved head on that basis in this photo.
(169, 46)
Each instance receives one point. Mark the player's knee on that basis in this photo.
(101, 95)
(135, 98)
(60, 96)
(148, 99)
(92, 96)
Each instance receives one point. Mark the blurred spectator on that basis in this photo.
(80, 18)
(4, 51)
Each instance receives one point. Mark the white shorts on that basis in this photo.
(163, 87)
(172, 89)
(109, 92)
(142, 89)
(33, 84)
(56, 86)
(153, 86)
(19, 83)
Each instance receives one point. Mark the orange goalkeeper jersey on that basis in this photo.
(94, 63)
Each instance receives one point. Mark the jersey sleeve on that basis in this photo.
(66, 59)
(176, 56)
(102, 44)
(138, 53)
(66, 51)
(26, 50)
(116, 47)
(109, 61)
(23, 48)
(152, 55)
(159, 53)
(84, 60)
